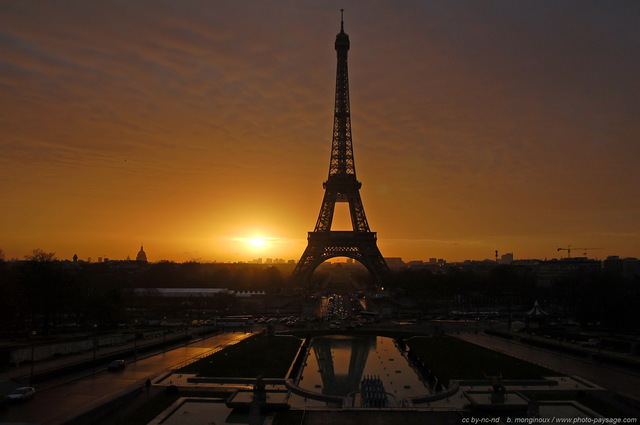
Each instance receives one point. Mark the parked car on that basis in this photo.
(592, 342)
(21, 394)
(116, 365)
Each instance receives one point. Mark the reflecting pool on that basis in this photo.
(343, 365)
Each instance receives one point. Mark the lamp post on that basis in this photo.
(135, 346)
(95, 344)
(164, 334)
(599, 351)
(509, 319)
(477, 318)
(33, 347)
(186, 330)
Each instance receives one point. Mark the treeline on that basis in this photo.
(589, 298)
(237, 276)
(488, 281)
(42, 293)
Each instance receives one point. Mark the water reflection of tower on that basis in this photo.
(334, 383)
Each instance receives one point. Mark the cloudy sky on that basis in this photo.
(202, 129)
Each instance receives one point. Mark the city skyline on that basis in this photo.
(203, 129)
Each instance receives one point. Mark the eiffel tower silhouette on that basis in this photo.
(341, 186)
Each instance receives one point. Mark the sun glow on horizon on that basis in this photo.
(257, 242)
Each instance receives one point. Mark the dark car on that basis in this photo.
(116, 365)
(21, 394)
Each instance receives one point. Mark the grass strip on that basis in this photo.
(258, 355)
(452, 358)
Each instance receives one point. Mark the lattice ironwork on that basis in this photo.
(341, 186)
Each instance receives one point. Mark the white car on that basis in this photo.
(21, 394)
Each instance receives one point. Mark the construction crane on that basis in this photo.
(568, 249)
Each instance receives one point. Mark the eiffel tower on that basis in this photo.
(341, 186)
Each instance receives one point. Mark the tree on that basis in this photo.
(41, 279)
(39, 256)
(13, 302)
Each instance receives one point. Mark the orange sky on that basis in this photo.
(194, 126)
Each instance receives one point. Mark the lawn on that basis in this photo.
(451, 358)
(269, 356)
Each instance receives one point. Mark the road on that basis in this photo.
(59, 403)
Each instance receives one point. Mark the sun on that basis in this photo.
(257, 242)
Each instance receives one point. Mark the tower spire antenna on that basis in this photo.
(342, 20)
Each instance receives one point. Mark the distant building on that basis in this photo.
(142, 256)
(613, 265)
(248, 294)
(394, 262)
(506, 258)
(631, 268)
(550, 272)
(627, 268)
(181, 292)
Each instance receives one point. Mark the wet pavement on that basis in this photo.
(59, 403)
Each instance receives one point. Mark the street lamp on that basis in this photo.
(33, 347)
(186, 330)
(95, 344)
(164, 334)
(135, 346)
